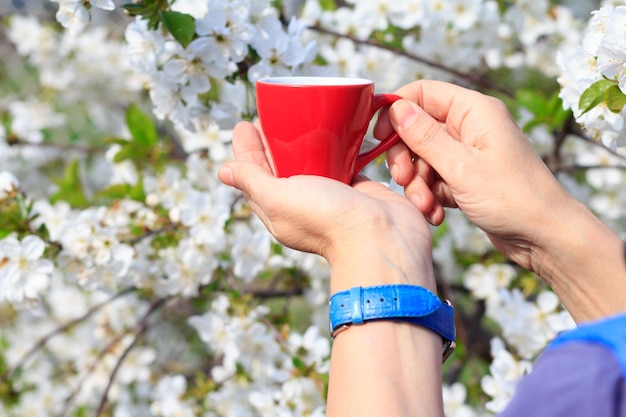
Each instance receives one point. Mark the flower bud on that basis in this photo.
(9, 185)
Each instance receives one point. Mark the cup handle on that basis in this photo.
(380, 100)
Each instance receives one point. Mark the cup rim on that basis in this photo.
(314, 81)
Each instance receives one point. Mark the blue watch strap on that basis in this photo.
(407, 303)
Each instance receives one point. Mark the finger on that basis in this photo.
(449, 103)
(424, 170)
(420, 194)
(268, 154)
(429, 139)
(436, 215)
(256, 183)
(443, 194)
(401, 166)
(248, 145)
(382, 127)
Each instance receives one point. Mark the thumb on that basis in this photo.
(247, 177)
(425, 136)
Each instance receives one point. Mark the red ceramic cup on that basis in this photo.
(316, 125)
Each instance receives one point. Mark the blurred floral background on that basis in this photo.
(132, 283)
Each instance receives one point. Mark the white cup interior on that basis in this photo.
(299, 80)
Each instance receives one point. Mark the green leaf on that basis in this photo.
(559, 115)
(126, 152)
(70, 186)
(71, 176)
(181, 25)
(594, 95)
(533, 101)
(615, 99)
(141, 127)
(533, 124)
(114, 140)
(115, 191)
(136, 192)
(298, 363)
(328, 5)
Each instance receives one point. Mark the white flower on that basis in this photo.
(454, 397)
(76, 240)
(485, 282)
(596, 29)
(581, 67)
(144, 46)
(54, 217)
(250, 252)
(206, 219)
(606, 170)
(233, 399)
(137, 365)
(187, 267)
(344, 56)
(103, 4)
(406, 14)
(610, 203)
(225, 36)
(344, 21)
(29, 36)
(23, 274)
(527, 326)
(44, 399)
(175, 196)
(279, 50)
(30, 117)
(466, 236)
(301, 395)
(168, 398)
(234, 102)
(73, 16)
(505, 373)
(611, 53)
(311, 347)
(371, 14)
(213, 330)
(168, 101)
(190, 72)
(244, 342)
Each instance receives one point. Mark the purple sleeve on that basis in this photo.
(575, 379)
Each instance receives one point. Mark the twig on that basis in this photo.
(141, 329)
(15, 141)
(462, 75)
(76, 390)
(601, 145)
(45, 339)
(149, 233)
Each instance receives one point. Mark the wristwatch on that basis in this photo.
(407, 303)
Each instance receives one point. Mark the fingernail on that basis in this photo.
(403, 113)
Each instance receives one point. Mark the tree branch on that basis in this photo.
(474, 79)
(76, 390)
(45, 339)
(142, 327)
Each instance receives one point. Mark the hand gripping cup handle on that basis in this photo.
(380, 100)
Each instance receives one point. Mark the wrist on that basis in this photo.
(383, 258)
(583, 261)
